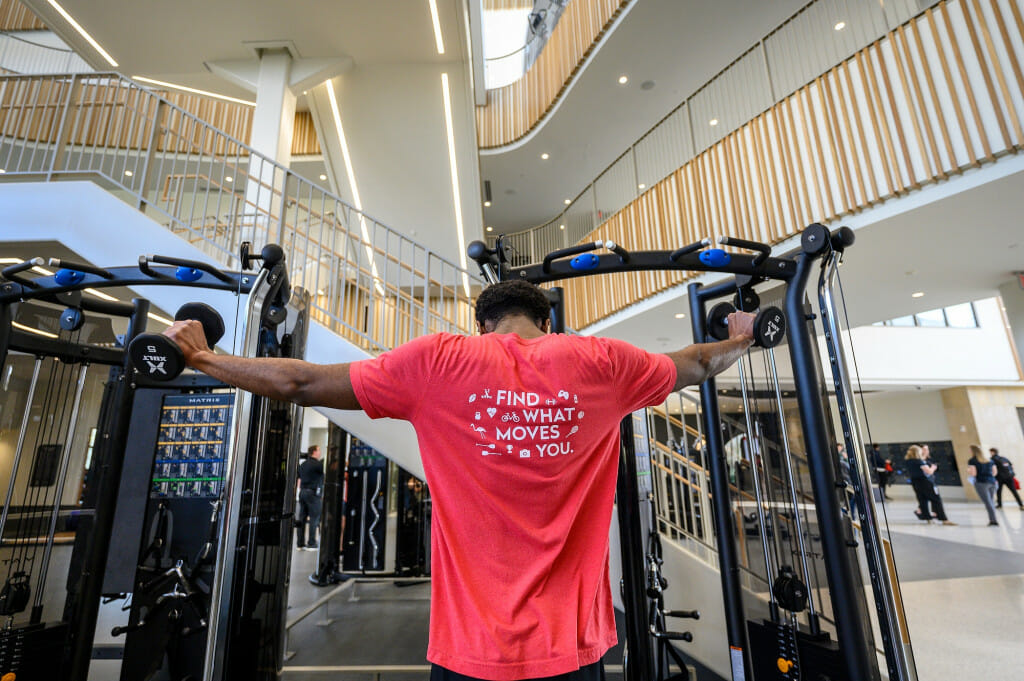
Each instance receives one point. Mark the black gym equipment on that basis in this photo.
(159, 358)
(194, 481)
(780, 647)
(769, 324)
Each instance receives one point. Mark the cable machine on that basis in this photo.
(192, 478)
(780, 647)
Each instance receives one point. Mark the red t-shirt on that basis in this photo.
(520, 441)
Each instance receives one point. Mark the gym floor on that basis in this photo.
(963, 588)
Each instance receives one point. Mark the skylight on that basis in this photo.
(505, 34)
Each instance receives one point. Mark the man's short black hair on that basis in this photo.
(497, 301)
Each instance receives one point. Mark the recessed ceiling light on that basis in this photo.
(680, 315)
(713, 121)
(490, 229)
(567, 201)
(545, 156)
(229, 179)
(561, 226)
(840, 25)
(127, 173)
(641, 186)
(917, 294)
(487, 204)
(623, 80)
(322, 177)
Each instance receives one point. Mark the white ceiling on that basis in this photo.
(677, 44)
(171, 41)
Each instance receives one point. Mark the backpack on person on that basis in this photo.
(1004, 469)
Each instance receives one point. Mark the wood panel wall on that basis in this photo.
(109, 114)
(937, 96)
(512, 111)
(14, 16)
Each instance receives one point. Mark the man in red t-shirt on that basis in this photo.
(518, 430)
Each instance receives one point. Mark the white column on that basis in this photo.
(272, 128)
(1012, 293)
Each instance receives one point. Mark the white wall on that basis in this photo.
(393, 118)
(938, 356)
(905, 416)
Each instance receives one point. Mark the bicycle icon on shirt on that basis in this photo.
(510, 416)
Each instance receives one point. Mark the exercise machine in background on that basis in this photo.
(796, 640)
(186, 507)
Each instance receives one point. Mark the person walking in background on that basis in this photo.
(311, 489)
(883, 469)
(922, 478)
(1005, 477)
(982, 471)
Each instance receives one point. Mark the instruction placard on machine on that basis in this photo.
(191, 447)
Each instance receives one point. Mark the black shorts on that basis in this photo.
(592, 672)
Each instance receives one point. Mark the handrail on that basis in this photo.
(747, 96)
(839, 130)
(370, 283)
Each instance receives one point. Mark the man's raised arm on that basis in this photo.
(698, 362)
(290, 380)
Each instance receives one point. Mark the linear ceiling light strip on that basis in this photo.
(336, 112)
(82, 32)
(456, 197)
(185, 88)
(437, 26)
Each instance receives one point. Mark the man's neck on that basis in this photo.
(519, 325)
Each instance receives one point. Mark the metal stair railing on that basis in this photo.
(371, 284)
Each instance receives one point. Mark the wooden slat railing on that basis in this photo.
(109, 103)
(931, 99)
(512, 111)
(14, 16)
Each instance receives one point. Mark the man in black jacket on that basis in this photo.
(1005, 477)
(311, 489)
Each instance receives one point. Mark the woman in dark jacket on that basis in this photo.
(922, 479)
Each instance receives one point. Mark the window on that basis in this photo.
(955, 317)
(931, 318)
(903, 321)
(962, 316)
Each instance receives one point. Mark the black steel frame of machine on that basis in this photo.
(855, 639)
(64, 288)
(269, 294)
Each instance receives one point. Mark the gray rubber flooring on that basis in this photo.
(381, 625)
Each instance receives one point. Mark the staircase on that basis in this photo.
(138, 174)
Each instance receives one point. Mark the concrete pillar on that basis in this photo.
(987, 416)
(276, 76)
(273, 124)
(273, 120)
(1012, 294)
